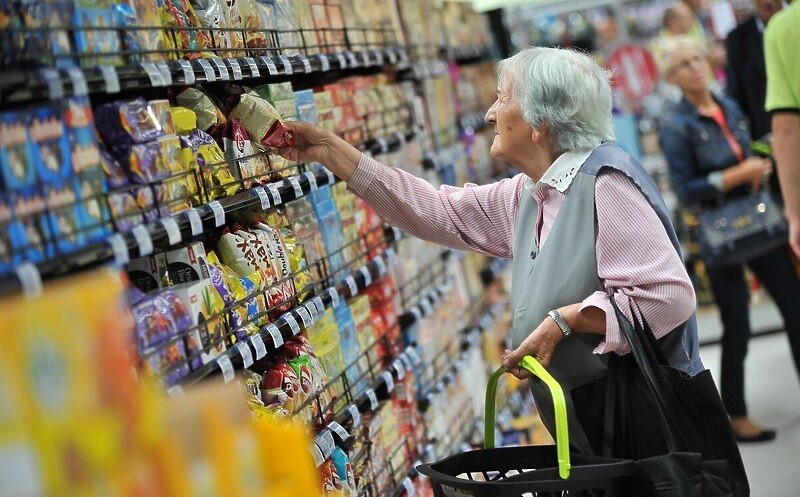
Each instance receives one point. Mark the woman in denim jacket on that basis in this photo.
(706, 142)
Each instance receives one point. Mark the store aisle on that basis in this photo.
(773, 397)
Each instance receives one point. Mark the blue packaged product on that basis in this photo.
(305, 105)
(348, 342)
(49, 46)
(330, 226)
(49, 146)
(102, 41)
(6, 257)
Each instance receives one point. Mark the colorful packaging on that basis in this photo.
(187, 264)
(177, 15)
(103, 40)
(201, 152)
(50, 47)
(49, 146)
(252, 162)
(207, 328)
(148, 273)
(124, 123)
(281, 386)
(142, 13)
(281, 96)
(262, 121)
(305, 106)
(181, 185)
(156, 323)
(212, 15)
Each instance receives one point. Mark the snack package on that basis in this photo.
(262, 121)
(211, 14)
(205, 339)
(142, 13)
(280, 385)
(341, 462)
(237, 253)
(181, 185)
(305, 106)
(255, 20)
(281, 96)
(148, 273)
(176, 15)
(157, 321)
(145, 164)
(187, 264)
(236, 11)
(286, 24)
(305, 227)
(124, 123)
(52, 46)
(207, 113)
(253, 163)
(49, 146)
(103, 38)
(200, 152)
(184, 120)
(163, 115)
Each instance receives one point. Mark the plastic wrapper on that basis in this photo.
(184, 120)
(51, 47)
(101, 38)
(344, 470)
(163, 115)
(236, 12)
(142, 13)
(255, 19)
(262, 121)
(252, 161)
(280, 386)
(201, 152)
(212, 15)
(123, 124)
(181, 184)
(187, 43)
(207, 112)
(157, 321)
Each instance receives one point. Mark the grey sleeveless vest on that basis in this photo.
(565, 272)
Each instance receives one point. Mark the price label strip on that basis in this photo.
(353, 410)
(271, 67)
(312, 180)
(236, 69)
(143, 240)
(351, 284)
(373, 399)
(188, 72)
(320, 306)
(119, 248)
(413, 355)
(351, 59)
(275, 333)
(263, 197)
(226, 367)
(382, 144)
(29, 279)
(339, 430)
(110, 78)
(219, 213)
(366, 274)
(326, 443)
(313, 311)
(78, 80)
(316, 454)
(259, 346)
(340, 57)
(389, 380)
(222, 70)
(306, 63)
(409, 487)
(378, 55)
(276, 194)
(290, 319)
(153, 73)
(175, 391)
(208, 71)
(329, 174)
(287, 65)
(334, 297)
(400, 367)
(381, 266)
(324, 62)
(298, 190)
(247, 356)
(165, 72)
(365, 58)
(195, 222)
(427, 309)
(305, 316)
(416, 312)
(172, 229)
(391, 55)
(251, 63)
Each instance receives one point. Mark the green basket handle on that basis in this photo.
(562, 433)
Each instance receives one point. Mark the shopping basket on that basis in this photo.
(530, 470)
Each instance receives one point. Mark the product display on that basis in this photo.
(237, 279)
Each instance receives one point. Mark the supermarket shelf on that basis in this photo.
(472, 54)
(172, 230)
(48, 83)
(475, 121)
(444, 158)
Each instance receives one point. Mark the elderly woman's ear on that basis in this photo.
(540, 135)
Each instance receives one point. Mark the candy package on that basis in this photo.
(50, 150)
(212, 15)
(253, 164)
(201, 152)
(163, 115)
(236, 12)
(207, 112)
(181, 184)
(255, 21)
(262, 121)
(50, 46)
(286, 24)
(205, 340)
(157, 321)
(280, 385)
(101, 41)
(148, 273)
(176, 16)
(187, 264)
(142, 13)
(124, 123)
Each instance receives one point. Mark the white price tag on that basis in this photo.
(287, 65)
(219, 213)
(316, 454)
(397, 233)
(298, 190)
(251, 63)
(329, 174)
(222, 70)
(338, 430)
(305, 62)
(290, 319)
(407, 362)
(226, 367)
(392, 56)
(334, 297)
(326, 443)
(312, 180)
(409, 487)
(275, 333)
(110, 78)
(175, 391)
(427, 309)
(271, 67)
(236, 69)
(378, 56)
(259, 346)
(342, 60)
(172, 229)
(351, 284)
(305, 316)
(205, 65)
(413, 355)
(353, 410)
(143, 240)
(78, 80)
(364, 270)
(312, 309)
(351, 59)
(324, 62)
(120, 249)
(382, 144)
(195, 222)
(415, 311)
(247, 356)
(381, 266)
(276, 194)
(153, 73)
(320, 306)
(262, 196)
(373, 399)
(389, 380)
(400, 137)
(365, 58)
(400, 367)
(165, 72)
(29, 279)
(188, 71)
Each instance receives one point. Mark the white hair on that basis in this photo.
(564, 89)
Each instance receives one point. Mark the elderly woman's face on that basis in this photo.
(512, 137)
(689, 70)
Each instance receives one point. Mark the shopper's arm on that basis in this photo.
(479, 218)
(786, 149)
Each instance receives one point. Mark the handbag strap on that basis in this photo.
(646, 360)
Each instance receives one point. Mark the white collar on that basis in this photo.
(564, 169)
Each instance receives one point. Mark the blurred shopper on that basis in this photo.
(782, 51)
(706, 141)
(746, 72)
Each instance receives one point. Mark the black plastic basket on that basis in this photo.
(537, 470)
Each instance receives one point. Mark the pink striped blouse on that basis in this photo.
(482, 218)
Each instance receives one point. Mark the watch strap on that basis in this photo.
(561, 322)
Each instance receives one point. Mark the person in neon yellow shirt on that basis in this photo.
(782, 57)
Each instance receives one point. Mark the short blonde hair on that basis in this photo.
(671, 47)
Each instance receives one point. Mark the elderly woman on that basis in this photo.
(583, 220)
(706, 141)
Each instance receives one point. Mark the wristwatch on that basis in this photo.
(561, 322)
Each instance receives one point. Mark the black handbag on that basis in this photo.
(674, 426)
(742, 228)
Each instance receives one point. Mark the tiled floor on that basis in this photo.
(773, 397)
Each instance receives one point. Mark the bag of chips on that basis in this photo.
(262, 121)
